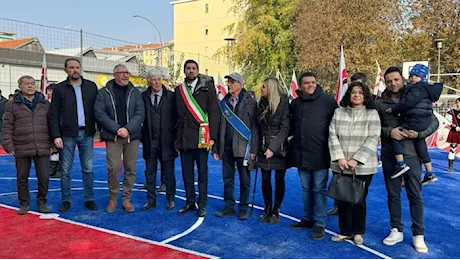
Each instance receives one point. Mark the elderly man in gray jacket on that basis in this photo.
(237, 142)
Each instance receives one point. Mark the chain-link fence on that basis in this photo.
(23, 45)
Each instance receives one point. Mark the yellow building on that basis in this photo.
(159, 56)
(199, 32)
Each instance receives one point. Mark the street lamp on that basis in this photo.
(230, 42)
(161, 42)
(438, 43)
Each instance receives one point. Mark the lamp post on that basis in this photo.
(159, 34)
(230, 42)
(438, 43)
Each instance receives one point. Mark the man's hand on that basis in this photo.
(58, 143)
(398, 134)
(457, 129)
(268, 154)
(352, 163)
(290, 138)
(343, 164)
(216, 157)
(388, 110)
(123, 132)
(411, 134)
(253, 156)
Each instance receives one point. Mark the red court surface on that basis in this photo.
(29, 236)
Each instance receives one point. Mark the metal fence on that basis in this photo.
(23, 45)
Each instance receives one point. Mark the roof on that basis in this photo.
(70, 51)
(15, 44)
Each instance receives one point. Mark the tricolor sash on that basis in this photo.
(204, 140)
(239, 125)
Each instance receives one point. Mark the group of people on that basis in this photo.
(274, 133)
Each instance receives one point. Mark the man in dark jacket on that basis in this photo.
(119, 112)
(158, 136)
(311, 114)
(390, 130)
(233, 147)
(198, 116)
(26, 137)
(72, 124)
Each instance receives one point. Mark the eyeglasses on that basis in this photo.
(123, 72)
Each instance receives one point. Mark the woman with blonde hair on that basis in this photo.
(273, 120)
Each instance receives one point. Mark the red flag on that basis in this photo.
(221, 88)
(294, 86)
(342, 84)
(44, 79)
(379, 82)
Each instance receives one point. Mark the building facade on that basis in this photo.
(199, 34)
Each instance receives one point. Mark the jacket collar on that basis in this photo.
(110, 84)
(19, 97)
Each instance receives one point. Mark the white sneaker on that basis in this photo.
(394, 237)
(419, 244)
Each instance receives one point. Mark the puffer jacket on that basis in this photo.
(25, 132)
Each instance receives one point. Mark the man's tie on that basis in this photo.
(155, 100)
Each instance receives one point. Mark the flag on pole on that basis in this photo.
(342, 83)
(44, 79)
(294, 87)
(379, 82)
(221, 88)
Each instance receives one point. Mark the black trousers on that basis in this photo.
(228, 176)
(188, 159)
(412, 179)
(280, 186)
(42, 167)
(352, 218)
(167, 172)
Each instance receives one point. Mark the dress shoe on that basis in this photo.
(202, 212)
(227, 211)
(127, 206)
(23, 210)
(144, 187)
(187, 209)
(162, 188)
(64, 207)
(170, 205)
(149, 205)
(42, 208)
(91, 205)
(243, 215)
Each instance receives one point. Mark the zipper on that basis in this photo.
(127, 111)
(114, 110)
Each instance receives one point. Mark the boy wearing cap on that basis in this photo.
(416, 108)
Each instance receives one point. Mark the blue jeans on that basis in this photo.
(85, 148)
(314, 185)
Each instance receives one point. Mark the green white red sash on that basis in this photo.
(199, 115)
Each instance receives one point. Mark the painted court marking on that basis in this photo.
(191, 229)
(112, 232)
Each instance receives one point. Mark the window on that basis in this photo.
(206, 8)
(206, 71)
(205, 51)
(206, 30)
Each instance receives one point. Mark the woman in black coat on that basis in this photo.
(273, 119)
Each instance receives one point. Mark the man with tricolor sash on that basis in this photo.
(237, 143)
(198, 118)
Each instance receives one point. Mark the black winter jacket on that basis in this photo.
(415, 105)
(310, 119)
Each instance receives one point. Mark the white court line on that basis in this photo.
(370, 250)
(112, 232)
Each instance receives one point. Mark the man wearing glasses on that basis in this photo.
(119, 112)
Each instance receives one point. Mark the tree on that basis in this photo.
(175, 71)
(436, 19)
(368, 30)
(264, 39)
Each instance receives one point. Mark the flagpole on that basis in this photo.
(282, 80)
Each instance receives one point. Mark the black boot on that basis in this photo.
(54, 169)
(267, 212)
(275, 218)
(451, 166)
